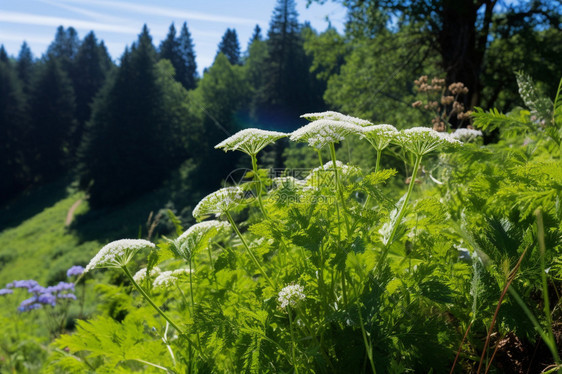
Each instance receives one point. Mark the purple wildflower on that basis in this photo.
(6, 291)
(47, 298)
(62, 286)
(66, 296)
(37, 289)
(30, 283)
(75, 270)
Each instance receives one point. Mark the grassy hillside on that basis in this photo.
(42, 247)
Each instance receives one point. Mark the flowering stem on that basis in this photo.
(191, 295)
(368, 346)
(403, 207)
(258, 180)
(293, 342)
(260, 268)
(338, 187)
(145, 295)
(320, 157)
(377, 165)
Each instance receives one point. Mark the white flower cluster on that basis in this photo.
(202, 228)
(379, 136)
(168, 278)
(422, 140)
(291, 295)
(218, 202)
(289, 181)
(140, 275)
(324, 131)
(336, 117)
(250, 141)
(466, 135)
(117, 253)
(319, 173)
(192, 238)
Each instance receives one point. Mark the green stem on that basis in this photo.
(338, 187)
(292, 341)
(401, 213)
(191, 295)
(542, 249)
(258, 180)
(260, 268)
(320, 157)
(147, 298)
(368, 347)
(403, 207)
(545, 337)
(377, 165)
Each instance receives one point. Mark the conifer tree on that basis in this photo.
(13, 129)
(52, 107)
(230, 47)
(287, 77)
(169, 48)
(126, 146)
(25, 64)
(89, 70)
(66, 44)
(186, 72)
(3, 54)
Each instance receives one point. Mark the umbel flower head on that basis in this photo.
(336, 117)
(218, 202)
(118, 253)
(422, 140)
(140, 275)
(250, 141)
(324, 131)
(169, 278)
(290, 295)
(195, 237)
(466, 135)
(379, 136)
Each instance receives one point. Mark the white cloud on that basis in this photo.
(96, 16)
(168, 12)
(33, 19)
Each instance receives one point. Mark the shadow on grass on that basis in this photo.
(31, 202)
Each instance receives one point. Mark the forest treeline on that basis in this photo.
(120, 129)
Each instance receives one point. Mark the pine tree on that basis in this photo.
(13, 130)
(66, 44)
(89, 70)
(287, 80)
(4, 55)
(256, 36)
(230, 47)
(126, 146)
(169, 47)
(52, 107)
(186, 72)
(25, 64)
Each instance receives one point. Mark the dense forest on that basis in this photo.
(390, 257)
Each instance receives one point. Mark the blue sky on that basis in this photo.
(119, 22)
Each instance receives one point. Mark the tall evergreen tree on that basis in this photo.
(186, 72)
(125, 149)
(169, 47)
(286, 93)
(25, 64)
(66, 44)
(89, 70)
(52, 107)
(256, 35)
(230, 47)
(13, 129)
(3, 54)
